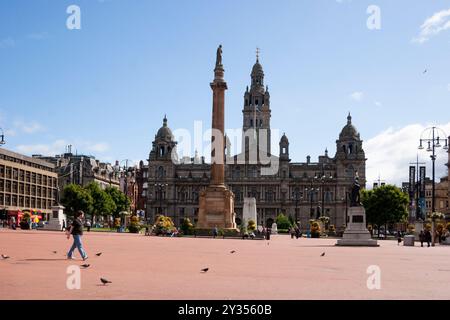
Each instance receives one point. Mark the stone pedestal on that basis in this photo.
(274, 229)
(356, 233)
(408, 240)
(56, 219)
(418, 226)
(216, 209)
(249, 210)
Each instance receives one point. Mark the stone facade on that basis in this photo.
(83, 169)
(302, 190)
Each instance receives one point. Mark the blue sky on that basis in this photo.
(105, 88)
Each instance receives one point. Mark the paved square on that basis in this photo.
(169, 268)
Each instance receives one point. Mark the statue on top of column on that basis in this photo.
(219, 56)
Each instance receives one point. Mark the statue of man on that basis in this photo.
(219, 56)
(355, 195)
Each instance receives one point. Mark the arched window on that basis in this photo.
(251, 122)
(161, 151)
(160, 173)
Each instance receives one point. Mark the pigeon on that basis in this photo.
(233, 251)
(85, 265)
(5, 256)
(105, 281)
(322, 254)
(205, 270)
(425, 71)
(98, 254)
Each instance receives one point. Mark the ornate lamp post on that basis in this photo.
(2, 138)
(160, 187)
(324, 179)
(296, 196)
(433, 140)
(310, 192)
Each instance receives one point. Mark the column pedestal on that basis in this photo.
(356, 233)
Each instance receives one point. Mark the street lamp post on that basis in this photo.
(296, 196)
(310, 192)
(433, 141)
(2, 138)
(160, 187)
(323, 180)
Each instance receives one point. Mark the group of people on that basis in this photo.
(425, 236)
(295, 232)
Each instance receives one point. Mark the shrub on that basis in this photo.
(448, 226)
(243, 226)
(163, 225)
(134, 226)
(283, 222)
(187, 227)
(251, 226)
(315, 229)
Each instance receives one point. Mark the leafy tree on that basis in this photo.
(76, 198)
(283, 222)
(102, 202)
(121, 201)
(385, 204)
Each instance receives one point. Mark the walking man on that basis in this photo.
(428, 237)
(421, 237)
(76, 230)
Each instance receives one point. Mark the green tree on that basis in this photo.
(102, 202)
(121, 201)
(283, 222)
(74, 198)
(384, 205)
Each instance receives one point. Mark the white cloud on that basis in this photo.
(438, 22)
(58, 147)
(43, 149)
(357, 96)
(98, 147)
(378, 103)
(389, 154)
(7, 43)
(28, 128)
(38, 36)
(448, 87)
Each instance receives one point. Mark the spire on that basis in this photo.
(349, 118)
(165, 121)
(326, 152)
(257, 54)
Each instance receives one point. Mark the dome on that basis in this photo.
(349, 131)
(284, 139)
(164, 132)
(257, 69)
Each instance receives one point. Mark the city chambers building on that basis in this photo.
(301, 190)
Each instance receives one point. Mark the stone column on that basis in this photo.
(218, 127)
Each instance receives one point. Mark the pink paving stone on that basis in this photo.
(169, 268)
